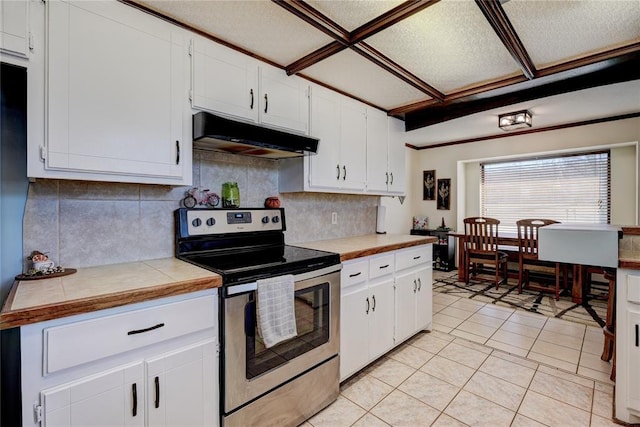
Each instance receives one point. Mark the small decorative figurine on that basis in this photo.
(201, 198)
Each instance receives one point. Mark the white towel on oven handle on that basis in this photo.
(275, 309)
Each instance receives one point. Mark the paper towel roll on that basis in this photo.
(381, 224)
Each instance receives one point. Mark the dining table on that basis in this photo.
(509, 243)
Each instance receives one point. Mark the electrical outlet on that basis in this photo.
(334, 218)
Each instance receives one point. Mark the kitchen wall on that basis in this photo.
(451, 162)
(82, 223)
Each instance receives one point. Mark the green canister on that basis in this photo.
(230, 195)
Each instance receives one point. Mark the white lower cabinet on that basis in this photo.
(115, 397)
(181, 387)
(385, 299)
(627, 351)
(177, 386)
(156, 378)
(413, 302)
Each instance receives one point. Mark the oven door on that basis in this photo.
(250, 369)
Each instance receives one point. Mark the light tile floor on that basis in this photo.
(482, 365)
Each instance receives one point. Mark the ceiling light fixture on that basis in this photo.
(516, 120)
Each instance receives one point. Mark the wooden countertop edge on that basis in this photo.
(385, 248)
(631, 231)
(629, 263)
(56, 310)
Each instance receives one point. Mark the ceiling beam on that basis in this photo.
(382, 61)
(395, 15)
(314, 57)
(316, 19)
(497, 17)
(616, 70)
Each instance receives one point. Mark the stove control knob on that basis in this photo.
(211, 222)
(197, 222)
(275, 219)
(265, 219)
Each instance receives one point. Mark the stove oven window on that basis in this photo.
(312, 322)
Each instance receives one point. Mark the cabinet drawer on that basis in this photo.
(81, 342)
(354, 273)
(381, 266)
(415, 256)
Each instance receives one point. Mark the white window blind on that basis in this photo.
(570, 188)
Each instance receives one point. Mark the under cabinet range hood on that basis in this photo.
(215, 133)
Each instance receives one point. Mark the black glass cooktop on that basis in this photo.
(247, 265)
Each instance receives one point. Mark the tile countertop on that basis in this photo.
(629, 248)
(97, 288)
(370, 244)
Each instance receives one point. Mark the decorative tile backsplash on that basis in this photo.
(83, 223)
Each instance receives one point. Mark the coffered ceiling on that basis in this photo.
(430, 61)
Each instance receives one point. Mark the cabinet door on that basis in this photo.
(632, 359)
(378, 177)
(116, 92)
(405, 299)
(324, 167)
(424, 298)
(353, 145)
(224, 81)
(381, 318)
(284, 101)
(112, 398)
(182, 387)
(14, 24)
(396, 160)
(354, 324)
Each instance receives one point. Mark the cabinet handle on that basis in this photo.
(266, 102)
(367, 312)
(415, 286)
(419, 284)
(374, 303)
(344, 169)
(142, 331)
(391, 178)
(157, 385)
(338, 169)
(417, 257)
(355, 274)
(383, 266)
(637, 343)
(251, 93)
(134, 392)
(387, 181)
(177, 152)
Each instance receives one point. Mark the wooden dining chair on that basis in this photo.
(528, 257)
(481, 248)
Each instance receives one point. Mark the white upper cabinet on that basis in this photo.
(14, 27)
(224, 81)
(117, 99)
(385, 154)
(340, 124)
(377, 151)
(284, 100)
(233, 84)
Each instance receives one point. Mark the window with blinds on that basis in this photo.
(569, 188)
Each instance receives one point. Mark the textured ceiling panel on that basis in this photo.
(560, 30)
(260, 27)
(450, 45)
(353, 13)
(348, 71)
